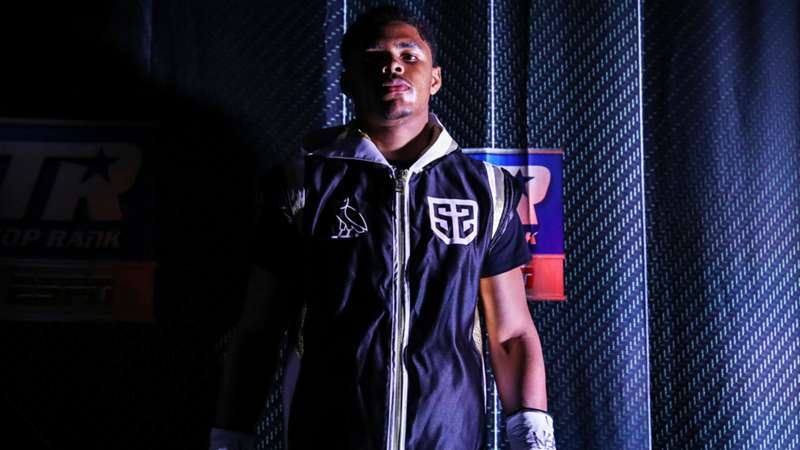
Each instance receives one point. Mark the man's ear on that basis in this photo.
(436, 80)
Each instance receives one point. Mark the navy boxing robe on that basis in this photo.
(390, 264)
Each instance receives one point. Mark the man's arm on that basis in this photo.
(514, 345)
(253, 353)
(517, 361)
(270, 303)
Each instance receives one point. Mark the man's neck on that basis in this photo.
(401, 141)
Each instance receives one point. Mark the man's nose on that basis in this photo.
(393, 66)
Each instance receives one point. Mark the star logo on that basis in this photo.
(98, 166)
(522, 182)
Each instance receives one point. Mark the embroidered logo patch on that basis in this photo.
(453, 221)
(350, 222)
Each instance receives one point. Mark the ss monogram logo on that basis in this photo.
(453, 221)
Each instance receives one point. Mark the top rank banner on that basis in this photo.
(76, 220)
(541, 209)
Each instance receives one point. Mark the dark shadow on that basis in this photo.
(231, 89)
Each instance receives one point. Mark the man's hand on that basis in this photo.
(530, 429)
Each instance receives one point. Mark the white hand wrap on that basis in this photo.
(530, 429)
(221, 439)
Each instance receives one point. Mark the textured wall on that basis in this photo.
(583, 96)
(722, 129)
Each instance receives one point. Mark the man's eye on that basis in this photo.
(372, 57)
(408, 57)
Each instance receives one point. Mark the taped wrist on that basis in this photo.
(530, 429)
(221, 439)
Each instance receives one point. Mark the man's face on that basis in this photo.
(393, 78)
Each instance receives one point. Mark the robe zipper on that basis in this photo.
(398, 388)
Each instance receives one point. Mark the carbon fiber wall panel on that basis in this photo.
(722, 146)
(583, 96)
(509, 61)
(242, 61)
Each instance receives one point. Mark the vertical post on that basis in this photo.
(335, 106)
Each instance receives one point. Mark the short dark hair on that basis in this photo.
(367, 25)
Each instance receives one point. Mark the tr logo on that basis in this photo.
(453, 221)
(98, 173)
(351, 222)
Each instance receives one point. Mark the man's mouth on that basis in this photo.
(395, 85)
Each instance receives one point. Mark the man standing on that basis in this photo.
(399, 235)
